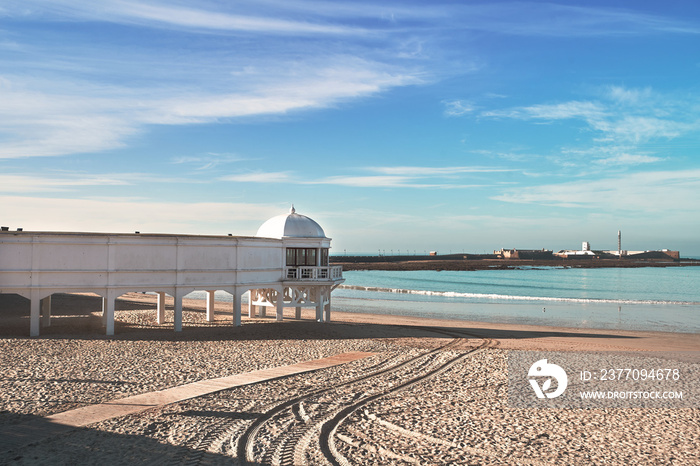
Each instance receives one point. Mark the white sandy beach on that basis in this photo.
(460, 415)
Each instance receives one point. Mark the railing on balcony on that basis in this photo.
(334, 272)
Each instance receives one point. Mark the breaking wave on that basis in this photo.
(502, 297)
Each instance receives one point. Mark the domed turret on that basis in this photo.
(291, 225)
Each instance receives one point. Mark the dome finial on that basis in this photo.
(292, 210)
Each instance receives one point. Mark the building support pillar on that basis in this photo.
(237, 308)
(104, 311)
(160, 310)
(46, 312)
(251, 306)
(178, 311)
(327, 309)
(108, 305)
(280, 306)
(210, 305)
(319, 308)
(34, 315)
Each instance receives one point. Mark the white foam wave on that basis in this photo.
(493, 296)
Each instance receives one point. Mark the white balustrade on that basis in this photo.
(330, 273)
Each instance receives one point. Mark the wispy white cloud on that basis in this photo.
(32, 184)
(458, 107)
(640, 129)
(650, 192)
(207, 161)
(374, 181)
(602, 156)
(558, 20)
(318, 85)
(46, 118)
(10, 45)
(591, 111)
(259, 177)
(37, 123)
(183, 16)
(389, 177)
(410, 177)
(630, 96)
(620, 123)
(433, 171)
(60, 181)
(384, 11)
(334, 18)
(625, 159)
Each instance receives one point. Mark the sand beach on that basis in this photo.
(415, 391)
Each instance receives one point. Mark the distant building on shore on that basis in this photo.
(533, 254)
(587, 252)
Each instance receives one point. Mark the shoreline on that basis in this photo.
(77, 316)
(400, 263)
(544, 338)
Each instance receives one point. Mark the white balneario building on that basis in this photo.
(284, 265)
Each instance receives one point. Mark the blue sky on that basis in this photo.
(399, 126)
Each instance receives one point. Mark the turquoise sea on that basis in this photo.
(650, 298)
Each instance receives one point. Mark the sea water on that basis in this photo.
(648, 298)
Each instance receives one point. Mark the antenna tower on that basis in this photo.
(619, 243)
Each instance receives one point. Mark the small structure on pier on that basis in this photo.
(284, 265)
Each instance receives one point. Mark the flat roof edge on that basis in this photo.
(134, 235)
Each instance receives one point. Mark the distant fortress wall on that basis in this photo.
(663, 254)
(673, 254)
(539, 254)
(660, 254)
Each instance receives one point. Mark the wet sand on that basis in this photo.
(79, 315)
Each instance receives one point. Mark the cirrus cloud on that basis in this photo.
(660, 191)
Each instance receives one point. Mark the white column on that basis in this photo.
(108, 311)
(34, 315)
(327, 309)
(280, 305)
(160, 312)
(104, 311)
(319, 308)
(178, 311)
(210, 306)
(237, 308)
(46, 312)
(251, 307)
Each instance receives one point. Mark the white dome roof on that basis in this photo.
(291, 225)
